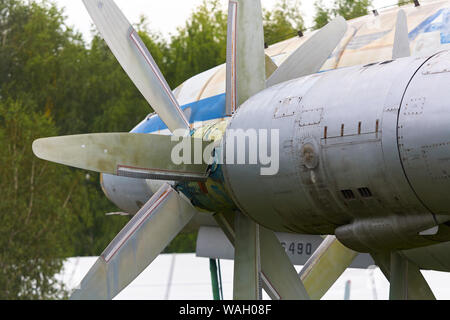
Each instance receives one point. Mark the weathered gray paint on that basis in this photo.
(424, 134)
(279, 269)
(348, 119)
(247, 259)
(406, 280)
(145, 156)
(246, 72)
(137, 245)
(401, 42)
(273, 281)
(310, 57)
(129, 194)
(434, 257)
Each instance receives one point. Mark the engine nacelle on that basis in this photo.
(128, 194)
(364, 153)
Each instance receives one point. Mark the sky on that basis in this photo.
(165, 16)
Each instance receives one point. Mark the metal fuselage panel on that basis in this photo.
(424, 134)
(129, 194)
(340, 170)
(347, 164)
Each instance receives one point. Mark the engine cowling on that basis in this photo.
(128, 194)
(358, 155)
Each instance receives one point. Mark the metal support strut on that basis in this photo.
(406, 280)
(215, 280)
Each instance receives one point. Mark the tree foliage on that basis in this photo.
(348, 9)
(403, 2)
(322, 16)
(49, 211)
(35, 211)
(53, 83)
(199, 45)
(283, 22)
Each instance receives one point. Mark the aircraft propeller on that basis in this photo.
(259, 257)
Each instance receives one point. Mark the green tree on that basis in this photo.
(283, 22)
(51, 212)
(39, 56)
(403, 2)
(91, 230)
(349, 9)
(323, 15)
(35, 212)
(119, 104)
(199, 45)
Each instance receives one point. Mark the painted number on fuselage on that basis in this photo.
(297, 248)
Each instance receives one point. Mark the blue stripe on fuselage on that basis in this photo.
(203, 110)
(214, 107)
(430, 25)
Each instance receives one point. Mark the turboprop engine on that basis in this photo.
(361, 154)
(364, 153)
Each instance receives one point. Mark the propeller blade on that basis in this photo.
(245, 52)
(246, 73)
(137, 245)
(311, 56)
(401, 41)
(284, 281)
(144, 156)
(280, 280)
(406, 280)
(136, 60)
(325, 266)
(246, 259)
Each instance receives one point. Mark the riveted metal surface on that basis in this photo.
(424, 135)
(281, 201)
(351, 149)
(287, 107)
(310, 117)
(368, 39)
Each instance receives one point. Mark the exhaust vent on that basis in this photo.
(348, 194)
(365, 192)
